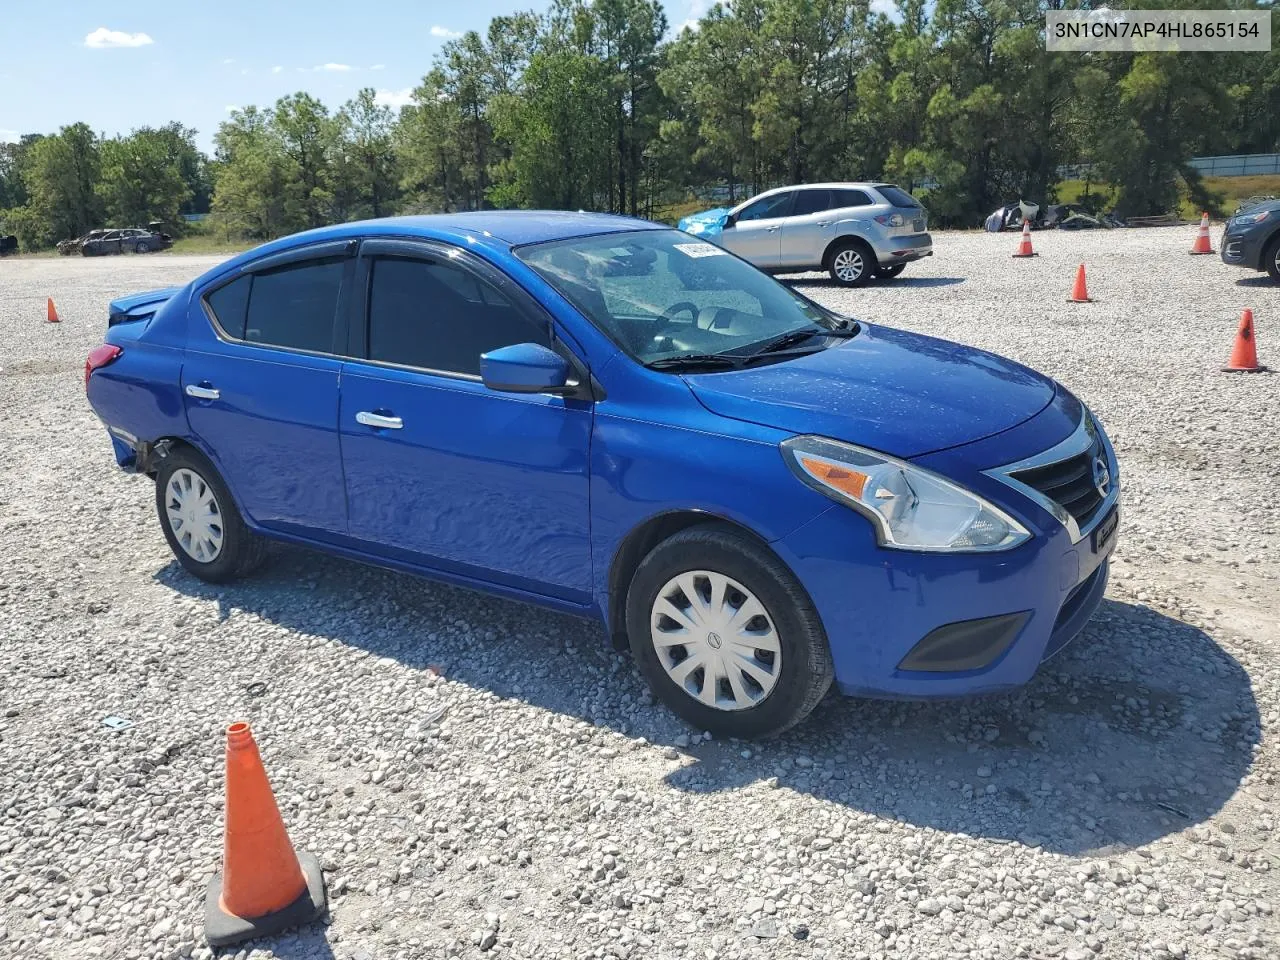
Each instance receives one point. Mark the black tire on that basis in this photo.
(142, 247)
(241, 552)
(806, 671)
(856, 272)
(1271, 259)
(891, 271)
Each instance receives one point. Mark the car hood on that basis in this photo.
(704, 224)
(896, 392)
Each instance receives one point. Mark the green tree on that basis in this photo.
(61, 173)
(142, 176)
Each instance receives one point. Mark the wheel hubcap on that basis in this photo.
(716, 640)
(848, 265)
(194, 515)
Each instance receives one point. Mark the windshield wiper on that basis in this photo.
(799, 336)
(687, 361)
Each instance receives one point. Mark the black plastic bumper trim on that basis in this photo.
(966, 644)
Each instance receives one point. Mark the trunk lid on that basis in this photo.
(138, 306)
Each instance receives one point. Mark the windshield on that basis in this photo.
(661, 293)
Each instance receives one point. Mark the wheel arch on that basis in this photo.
(848, 239)
(637, 544)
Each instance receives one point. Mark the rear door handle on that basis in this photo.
(774, 229)
(202, 391)
(371, 419)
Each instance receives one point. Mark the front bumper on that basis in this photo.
(904, 249)
(1244, 249)
(922, 625)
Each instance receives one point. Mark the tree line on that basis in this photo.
(594, 105)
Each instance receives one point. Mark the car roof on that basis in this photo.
(495, 229)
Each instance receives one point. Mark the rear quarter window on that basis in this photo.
(230, 306)
(849, 198)
(294, 306)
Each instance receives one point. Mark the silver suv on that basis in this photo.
(852, 230)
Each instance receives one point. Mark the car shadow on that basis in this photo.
(900, 281)
(1261, 280)
(1141, 728)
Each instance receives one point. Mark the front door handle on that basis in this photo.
(371, 419)
(825, 223)
(774, 229)
(202, 391)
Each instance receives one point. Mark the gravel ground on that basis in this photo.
(479, 778)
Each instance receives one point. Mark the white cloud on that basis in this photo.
(228, 61)
(231, 108)
(394, 98)
(378, 66)
(887, 7)
(245, 72)
(444, 32)
(277, 69)
(102, 38)
(335, 67)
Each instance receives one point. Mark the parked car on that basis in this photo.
(134, 240)
(72, 246)
(854, 231)
(618, 420)
(1252, 238)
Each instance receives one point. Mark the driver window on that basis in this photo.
(770, 207)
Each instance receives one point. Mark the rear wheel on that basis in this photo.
(725, 634)
(200, 520)
(850, 263)
(1271, 259)
(889, 272)
(141, 247)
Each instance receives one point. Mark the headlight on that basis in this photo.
(912, 508)
(1248, 219)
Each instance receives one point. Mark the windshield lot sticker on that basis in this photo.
(697, 250)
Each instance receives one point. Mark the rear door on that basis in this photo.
(440, 469)
(756, 234)
(808, 230)
(260, 384)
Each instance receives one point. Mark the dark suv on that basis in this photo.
(1252, 239)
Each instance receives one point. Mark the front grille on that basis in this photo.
(1069, 483)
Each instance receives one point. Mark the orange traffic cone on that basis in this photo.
(1079, 292)
(51, 314)
(264, 887)
(1202, 237)
(1244, 355)
(1024, 248)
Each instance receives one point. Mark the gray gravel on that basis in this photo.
(482, 779)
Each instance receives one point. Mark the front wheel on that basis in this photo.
(725, 634)
(141, 247)
(851, 264)
(1271, 259)
(200, 520)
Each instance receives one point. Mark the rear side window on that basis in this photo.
(437, 316)
(849, 198)
(897, 197)
(811, 201)
(294, 306)
(230, 305)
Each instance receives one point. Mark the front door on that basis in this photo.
(756, 234)
(441, 470)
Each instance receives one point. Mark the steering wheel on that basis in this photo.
(684, 306)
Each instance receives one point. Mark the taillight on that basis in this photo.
(99, 357)
(891, 219)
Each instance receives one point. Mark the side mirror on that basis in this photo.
(525, 368)
(727, 221)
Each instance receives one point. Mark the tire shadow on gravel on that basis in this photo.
(1143, 727)
(1259, 280)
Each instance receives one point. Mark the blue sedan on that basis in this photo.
(603, 416)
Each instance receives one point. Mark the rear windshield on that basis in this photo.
(897, 196)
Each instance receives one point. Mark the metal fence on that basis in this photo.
(1241, 165)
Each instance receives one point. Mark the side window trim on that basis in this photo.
(316, 251)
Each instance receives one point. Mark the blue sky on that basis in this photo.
(118, 66)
